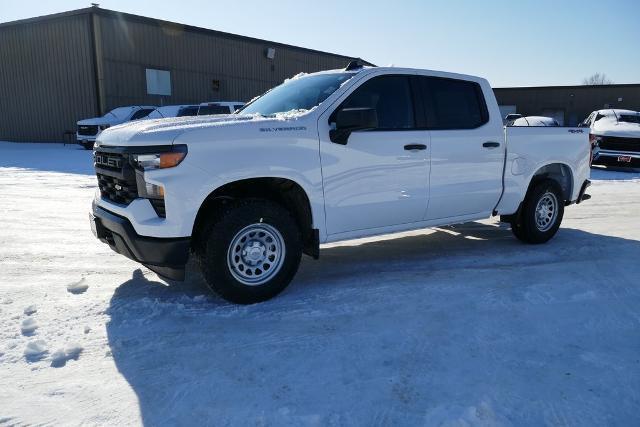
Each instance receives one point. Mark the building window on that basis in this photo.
(158, 82)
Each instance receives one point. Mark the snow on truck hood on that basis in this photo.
(164, 131)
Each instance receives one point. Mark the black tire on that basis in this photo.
(525, 225)
(517, 231)
(216, 259)
(88, 145)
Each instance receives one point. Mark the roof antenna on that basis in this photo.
(616, 115)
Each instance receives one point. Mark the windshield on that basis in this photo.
(297, 94)
(629, 118)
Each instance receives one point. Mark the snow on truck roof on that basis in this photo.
(391, 70)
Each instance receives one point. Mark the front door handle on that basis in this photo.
(411, 147)
(491, 144)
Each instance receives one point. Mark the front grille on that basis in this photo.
(117, 190)
(87, 130)
(620, 144)
(116, 177)
(111, 161)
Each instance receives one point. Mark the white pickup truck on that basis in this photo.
(325, 157)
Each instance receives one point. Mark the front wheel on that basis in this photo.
(541, 213)
(250, 251)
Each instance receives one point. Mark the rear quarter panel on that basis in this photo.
(531, 148)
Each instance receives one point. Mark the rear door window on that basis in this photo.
(452, 104)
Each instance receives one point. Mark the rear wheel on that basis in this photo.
(250, 251)
(541, 213)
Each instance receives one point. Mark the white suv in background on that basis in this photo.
(533, 121)
(89, 129)
(615, 137)
(215, 108)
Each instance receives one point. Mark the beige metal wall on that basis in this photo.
(46, 78)
(58, 69)
(195, 58)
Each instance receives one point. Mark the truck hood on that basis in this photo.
(165, 131)
(622, 129)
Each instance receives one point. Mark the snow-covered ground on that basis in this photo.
(456, 326)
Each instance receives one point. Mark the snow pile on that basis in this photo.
(29, 326)
(30, 310)
(60, 357)
(35, 350)
(78, 287)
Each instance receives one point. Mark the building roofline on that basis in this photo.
(613, 86)
(162, 22)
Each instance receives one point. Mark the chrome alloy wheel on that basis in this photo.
(546, 211)
(256, 254)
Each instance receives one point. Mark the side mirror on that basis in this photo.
(350, 120)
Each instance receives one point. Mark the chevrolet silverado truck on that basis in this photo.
(615, 137)
(325, 157)
(89, 129)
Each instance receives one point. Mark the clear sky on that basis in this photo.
(512, 43)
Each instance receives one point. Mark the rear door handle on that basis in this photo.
(491, 144)
(411, 147)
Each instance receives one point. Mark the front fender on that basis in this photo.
(257, 154)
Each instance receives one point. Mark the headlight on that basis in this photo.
(162, 158)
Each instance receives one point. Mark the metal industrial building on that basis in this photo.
(60, 68)
(569, 105)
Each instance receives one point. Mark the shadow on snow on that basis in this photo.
(430, 328)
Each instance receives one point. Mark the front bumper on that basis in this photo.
(612, 158)
(90, 138)
(165, 256)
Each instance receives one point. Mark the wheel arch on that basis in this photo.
(286, 192)
(559, 172)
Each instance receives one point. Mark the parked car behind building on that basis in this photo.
(533, 121)
(615, 137)
(174, 111)
(214, 108)
(89, 129)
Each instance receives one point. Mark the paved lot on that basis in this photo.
(456, 325)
